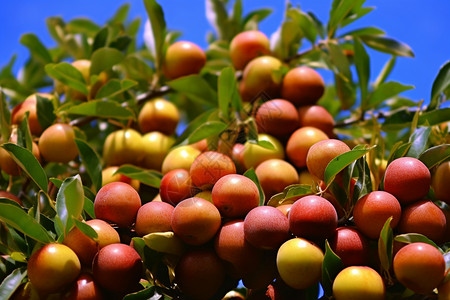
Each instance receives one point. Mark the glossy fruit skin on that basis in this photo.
(300, 142)
(158, 115)
(419, 266)
(274, 175)
(85, 247)
(372, 211)
(277, 117)
(85, 288)
(84, 66)
(439, 182)
(29, 105)
(53, 267)
(253, 154)
(246, 46)
(183, 58)
(266, 227)
(156, 145)
(108, 176)
(424, 217)
(259, 78)
(199, 274)
(358, 283)
(179, 158)
(209, 167)
(57, 143)
(195, 221)
(117, 202)
(154, 216)
(11, 196)
(321, 153)
(299, 263)
(444, 290)
(117, 268)
(235, 195)
(351, 246)
(176, 185)
(312, 217)
(123, 146)
(231, 246)
(316, 116)
(302, 86)
(408, 179)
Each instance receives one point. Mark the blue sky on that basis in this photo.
(423, 25)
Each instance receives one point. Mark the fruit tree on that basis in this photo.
(164, 170)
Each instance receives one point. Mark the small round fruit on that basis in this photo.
(300, 142)
(277, 117)
(158, 115)
(8, 164)
(408, 179)
(299, 263)
(195, 220)
(109, 175)
(176, 185)
(424, 217)
(29, 105)
(358, 283)
(312, 217)
(302, 86)
(200, 274)
(123, 146)
(57, 143)
(316, 116)
(321, 153)
(154, 216)
(246, 46)
(10, 196)
(209, 167)
(351, 246)
(266, 227)
(117, 202)
(156, 145)
(84, 66)
(372, 211)
(439, 182)
(274, 175)
(183, 58)
(179, 158)
(254, 154)
(235, 195)
(420, 267)
(85, 288)
(53, 267)
(117, 268)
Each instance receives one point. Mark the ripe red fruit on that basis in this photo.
(117, 202)
(302, 86)
(372, 211)
(277, 117)
(408, 179)
(117, 268)
(176, 186)
(10, 196)
(247, 45)
(266, 227)
(312, 217)
(183, 58)
(209, 167)
(300, 142)
(316, 116)
(440, 182)
(274, 175)
(420, 267)
(235, 195)
(154, 216)
(351, 246)
(85, 288)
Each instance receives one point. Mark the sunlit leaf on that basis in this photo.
(67, 74)
(409, 238)
(91, 162)
(70, 201)
(82, 25)
(362, 63)
(364, 31)
(12, 282)
(387, 45)
(250, 173)
(102, 109)
(331, 266)
(419, 141)
(155, 31)
(385, 245)
(206, 130)
(440, 84)
(385, 91)
(37, 49)
(435, 155)
(115, 87)
(104, 59)
(340, 9)
(86, 229)
(5, 117)
(148, 177)
(384, 73)
(45, 111)
(290, 192)
(196, 88)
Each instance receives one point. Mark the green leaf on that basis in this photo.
(419, 141)
(5, 117)
(100, 39)
(196, 88)
(331, 266)
(362, 63)
(205, 130)
(387, 45)
(338, 163)
(29, 164)
(37, 49)
(24, 138)
(340, 9)
(45, 111)
(82, 25)
(435, 117)
(70, 201)
(192, 126)
(148, 177)
(440, 84)
(102, 109)
(17, 218)
(356, 14)
(155, 31)
(251, 174)
(228, 92)
(286, 41)
(435, 155)
(136, 68)
(363, 31)
(86, 229)
(217, 16)
(385, 245)
(363, 184)
(91, 162)
(121, 15)
(115, 87)
(266, 144)
(289, 192)
(340, 61)
(305, 23)
(253, 18)
(10, 284)
(55, 26)
(67, 74)
(104, 59)
(385, 91)
(414, 238)
(387, 69)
